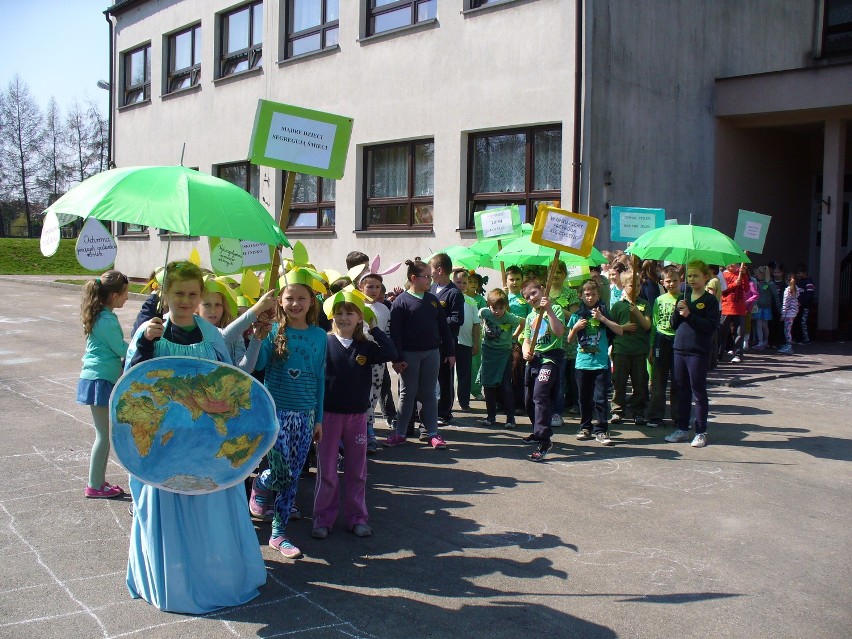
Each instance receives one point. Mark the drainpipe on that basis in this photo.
(578, 105)
(112, 89)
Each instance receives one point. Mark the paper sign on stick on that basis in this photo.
(226, 255)
(256, 255)
(629, 223)
(498, 224)
(302, 140)
(751, 231)
(564, 231)
(96, 247)
(49, 242)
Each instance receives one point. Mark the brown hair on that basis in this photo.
(531, 281)
(181, 272)
(592, 283)
(497, 297)
(699, 265)
(672, 270)
(371, 276)
(96, 294)
(442, 260)
(279, 346)
(415, 267)
(358, 335)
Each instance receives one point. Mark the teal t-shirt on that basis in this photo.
(593, 354)
(546, 340)
(497, 332)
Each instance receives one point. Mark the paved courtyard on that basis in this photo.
(748, 537)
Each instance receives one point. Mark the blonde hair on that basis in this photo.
(279, 346)
(226, 318)
(699, 265)
(96, 294)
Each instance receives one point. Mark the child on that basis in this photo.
(695, 323)
(567, 298)
(422, 340)
(593, 361)
(371, 286)
(517, 306)
(734, 294)
(475, 283)
(630, 351)
(293, 354)
(348, 391)
(105, 348)
(662, 348)
(789, 311)
(543, 353)
(468, 341)
(766, 294)
(806, 298)
(451, 300)
(189, 553)
(501, 331)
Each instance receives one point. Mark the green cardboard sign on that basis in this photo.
(751, 231)
(301, 140)
(498, 224)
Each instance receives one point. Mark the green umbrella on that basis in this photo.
(683, 243)
(523, 252)
(463, 257)
(490, 247)
(173, 198)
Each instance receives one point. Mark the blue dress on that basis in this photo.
(192, 553)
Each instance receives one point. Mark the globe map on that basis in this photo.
(190, 425)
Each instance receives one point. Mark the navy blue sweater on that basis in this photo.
(451, 300)
(349, 372)
(694, 334)
(420, 325)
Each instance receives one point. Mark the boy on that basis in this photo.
(567, 298)
(662, 348)
(517, 306)
(355, 258)
(543, 353)
(591, 326)
(806, 298)
(468, 340)
(501, 332)
(630, 351)
(451, 300)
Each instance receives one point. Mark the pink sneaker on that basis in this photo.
(437, 442)
(393, 440)
(283, 545)
(265, 511)
(107, 491)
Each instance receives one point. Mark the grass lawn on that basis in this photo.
(22, 256)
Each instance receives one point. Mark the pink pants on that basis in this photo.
(352, 429)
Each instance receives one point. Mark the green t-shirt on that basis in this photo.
(481, 302)
(661, 316)
(546, 341)
(637, 342)
(518, 305)
(566, 299)
(594, 355)
(497, 333)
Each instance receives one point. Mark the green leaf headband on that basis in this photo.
(355, 297)
(304, 276)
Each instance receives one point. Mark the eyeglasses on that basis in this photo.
(428, 277)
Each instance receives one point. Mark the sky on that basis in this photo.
(60, 48)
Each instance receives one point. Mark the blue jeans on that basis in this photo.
(592, 386)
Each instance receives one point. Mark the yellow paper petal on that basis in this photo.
(195, 257)
(250, 285)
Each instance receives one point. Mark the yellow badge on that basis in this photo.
(700, 305)
(443, 302)
(641, 307)
(361, 359)
(435, 304)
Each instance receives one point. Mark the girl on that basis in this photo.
(348, 381)
(766, 294)
(696, 320)
(422, 338)
(189, 553)
(293, 355)
(105, 348)
(501, 329)
(543, 353)
(789, 310)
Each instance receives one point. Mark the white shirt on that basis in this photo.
(470, 318)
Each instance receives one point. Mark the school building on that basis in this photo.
(700, 108)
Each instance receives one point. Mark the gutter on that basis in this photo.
(576, 160)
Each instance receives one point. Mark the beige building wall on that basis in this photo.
(507, 66)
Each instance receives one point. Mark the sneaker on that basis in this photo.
(485, 421)
(437, 442)
(639, 420)
(542, 451)
(283, 545)
(445, 421)
(320, 533)
(465, 407)
(584, 435)
(603, 439)
(678, 436)
(107, 491)
(615, 419)
(736, 359)
(530, 439)
(654, 422)
(362, 530)
(700, 440)
(394, 439)
(424, 436)
(372, 448)
(295, 513)
(262, 511)
(510, 426)
(787, 349)
(555, 421)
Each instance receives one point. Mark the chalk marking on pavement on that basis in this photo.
(84, 608)
(69, 581)
(5, 386)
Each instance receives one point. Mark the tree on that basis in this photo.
(99, 128)
(21, 143)
(53, 178)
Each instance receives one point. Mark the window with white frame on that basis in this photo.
(137, 75)
(386, 15)
(241, 42)
(184, 50)
(516, 166)
(312, 25)
(312, 206)
(399, 185)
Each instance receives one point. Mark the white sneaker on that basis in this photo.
(555, 421)
(678, 436)
(736, 359)
(699, 441)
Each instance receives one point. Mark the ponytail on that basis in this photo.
(96, 294)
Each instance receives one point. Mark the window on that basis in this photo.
(243, 174)
(184, 59)
(242, 39)
(384, 15)
(137, 75)
(312, 206)
(837, 27)
(475, 4)
(131, 229)
(521, 166)
(400, 185)
(311, 25)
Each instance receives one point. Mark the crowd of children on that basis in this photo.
(539, 351)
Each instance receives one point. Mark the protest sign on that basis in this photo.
(629, 223)
(751, 231)
(498, 224)
(96, 247)
(49, 242)
(564, 231)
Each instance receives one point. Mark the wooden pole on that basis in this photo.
(502, 264)
(540, 311)
(283, 216)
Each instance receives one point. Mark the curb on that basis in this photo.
(76, 287)
(736, 382)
